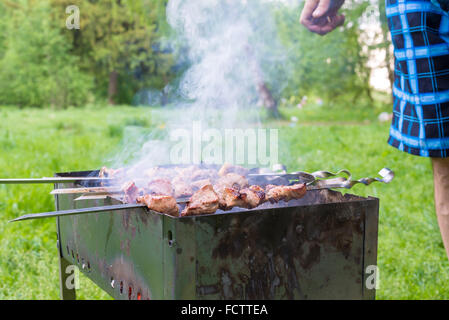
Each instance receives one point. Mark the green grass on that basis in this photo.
(36, 143)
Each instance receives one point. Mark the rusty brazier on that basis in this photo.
(317, 247)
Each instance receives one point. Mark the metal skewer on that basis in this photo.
(319, 186)
(92, 197)
(92, 190)
(78, 211)
(319, 178)
(53, 180)
(72, 212)
(312, 184)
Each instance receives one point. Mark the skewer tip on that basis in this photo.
(21, 218)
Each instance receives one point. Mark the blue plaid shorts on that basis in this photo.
(420, 34)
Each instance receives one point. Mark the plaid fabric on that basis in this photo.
(420, 34)
(443, 4)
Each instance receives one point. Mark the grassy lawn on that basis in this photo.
(37, 143)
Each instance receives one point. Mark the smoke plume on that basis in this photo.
(233, 49)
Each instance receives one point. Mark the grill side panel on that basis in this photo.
(122, 252)
(311, 252)
(180, 258)
(370, 248)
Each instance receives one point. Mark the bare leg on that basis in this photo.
(441, 185)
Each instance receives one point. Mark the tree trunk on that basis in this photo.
(264, 93)
(267, 99)
(113, 87)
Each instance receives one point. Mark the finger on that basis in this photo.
(318, 26)
(322, 9)
(333, 11)
(327, 8)
(321, 21)
(316, 29)
(338, 21)
(333, 23)
(315, 25)
(306, 14)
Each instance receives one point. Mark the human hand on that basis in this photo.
(320, 16)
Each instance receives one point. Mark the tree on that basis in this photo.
(118, 38)
(328, 66)
(2, 27)
(37, 69)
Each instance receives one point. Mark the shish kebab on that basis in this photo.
(163, 194)
(229, 190)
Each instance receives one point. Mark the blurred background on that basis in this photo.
(125, 52)
(73, 98)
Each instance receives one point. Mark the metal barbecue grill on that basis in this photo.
(317, 247)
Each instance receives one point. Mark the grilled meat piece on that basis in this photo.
(181, 188)
(244, 198)
(131, 191)
(201, 174)
(200, 183)
(203, 201)
(258, 189)
(232, 198)
(286, 193)
(105, 172)
(158, 173)
(160, 187)
(232, 180)
(111, 173)
(255, 196)
(185, 172)
(160, 203)
(229, 168)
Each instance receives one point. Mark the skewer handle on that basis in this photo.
(320, 179)
(386, 174)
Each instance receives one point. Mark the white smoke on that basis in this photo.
(224, 41)
(232, 46)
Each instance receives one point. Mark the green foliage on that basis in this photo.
(43, 63)
(2, 27)
(364, 111)
(122, 37)
(37, 69)
(325, 66)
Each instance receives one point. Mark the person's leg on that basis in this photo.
(441, 186)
